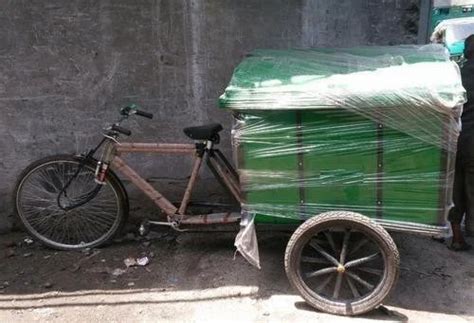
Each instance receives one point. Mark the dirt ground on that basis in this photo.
(192, 277)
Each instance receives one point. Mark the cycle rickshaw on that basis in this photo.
(343, 144)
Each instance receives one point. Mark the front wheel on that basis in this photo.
(342, 263)
(95, 216)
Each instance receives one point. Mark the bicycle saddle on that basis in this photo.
(205, 132)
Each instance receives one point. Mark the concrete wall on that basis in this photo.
(67, 66)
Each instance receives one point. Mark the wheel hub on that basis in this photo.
(341, 269)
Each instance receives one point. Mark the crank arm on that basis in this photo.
(174, 225)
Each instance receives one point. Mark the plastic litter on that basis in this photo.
(130, 262)
(143, 261)
(28, 240)
(118, 272)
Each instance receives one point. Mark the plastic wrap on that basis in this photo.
(246, 241)
(370, 130)
(410, 88)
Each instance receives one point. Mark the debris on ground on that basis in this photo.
(118, 272)
(78, 265)
(28, 240)
(28, 254)
(143, 261)
(86, 251)
(130, 262)
(48, 285)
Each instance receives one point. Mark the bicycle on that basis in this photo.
(71, 202)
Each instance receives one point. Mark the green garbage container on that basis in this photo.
(371, 130)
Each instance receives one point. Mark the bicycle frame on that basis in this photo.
(201, 151)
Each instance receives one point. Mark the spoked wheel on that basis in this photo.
(83, 215)
(342, 263)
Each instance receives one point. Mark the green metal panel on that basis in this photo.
(297, 164)
(412, 178)
(270, 132)
(340, 163)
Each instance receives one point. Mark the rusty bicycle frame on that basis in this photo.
(202, 151)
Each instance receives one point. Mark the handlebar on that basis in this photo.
(144, 114)
(121, 130)
(133, 109)
(127, 112)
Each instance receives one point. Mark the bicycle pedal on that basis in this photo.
(144, 228)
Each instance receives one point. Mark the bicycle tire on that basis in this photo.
(353, 305)
(102, 229)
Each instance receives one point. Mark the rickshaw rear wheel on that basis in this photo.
(342, 262)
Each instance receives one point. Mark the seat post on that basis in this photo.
(191, 183)
(209, 144)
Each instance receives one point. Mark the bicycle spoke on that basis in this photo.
(97, 219)
(315, 246)
(330, 240)
(58, 233)
(377, 272)
(353, 288)
(337, 286)
(80, 233)
(321, 272)
(363, 260)
(92, 230)
(49, 230)
(345, 242)
(313, 260)
(324, 283)
(359, 245)
(360, 280)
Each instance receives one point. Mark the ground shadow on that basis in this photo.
(431, 279)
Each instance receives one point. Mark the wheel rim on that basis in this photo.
(80, 227)
(341, 264)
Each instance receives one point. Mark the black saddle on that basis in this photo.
(206, 132)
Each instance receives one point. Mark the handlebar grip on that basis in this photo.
(122, 130)
(144, 114)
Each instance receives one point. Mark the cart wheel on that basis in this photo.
(342, 263)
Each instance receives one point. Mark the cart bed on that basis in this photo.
(304, 147)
